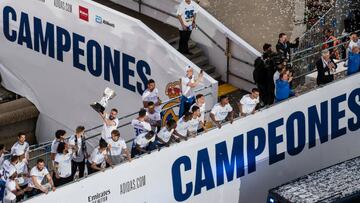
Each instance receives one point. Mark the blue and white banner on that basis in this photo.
(62, 54)
(241, 161)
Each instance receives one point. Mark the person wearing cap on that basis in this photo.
(188, 83)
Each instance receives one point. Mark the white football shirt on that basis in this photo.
(202, 111)
(194, 124)
(106, 131)
(140, 126)
(248, 105)
(64, 164)
(182, 127)
(187, 12)
(97, 157)
(117, 147)
(186, 90)
(165, 134)
(221, 112)
(39, 175)
(20, 149)
(142, 141)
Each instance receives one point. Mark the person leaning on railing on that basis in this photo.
(98, 157)
(325, 68)
(354, 61)
(283, 90)
(117, 148)
(221, 111)
(143, 143)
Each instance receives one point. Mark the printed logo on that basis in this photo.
(100, 20)
(84, 13)
(62, 5)
(99, 197)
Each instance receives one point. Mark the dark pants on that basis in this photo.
(184, 41)
(34, 192)
(77, 165)
(61, 181)
(91, 170)
(185, 104)
(2, 189)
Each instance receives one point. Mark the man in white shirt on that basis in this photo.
(165, 136)
(196, 123)
(59, 137)
(186, 14)
(354, 41)
(21, 147)
(62, 165)
(153, 117)
(200, 102)
(77, 143)
(222, 110)
(111, 123)
(188, 83)
(151, 94)
(37, 174)
(142, 143)
(98, 157)
(248, 103)
(117, 148)
(140, 125)
(12, 189)
(182, 127)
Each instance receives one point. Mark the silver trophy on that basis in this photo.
(100, 106)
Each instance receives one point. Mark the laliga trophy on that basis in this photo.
(100, 106)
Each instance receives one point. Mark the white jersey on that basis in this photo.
(117, 147)
(164, 134)
(97, 157)
(221, 112)
(78, 155)
(140, 126)
(22, 168)
(194, 124)
(352, 44)
(186, 90)
(187, 12)
(202, 111)
(39, 175)
(153, 118)
(9, 187)
(20, 149)
(142, 141)
(106, 131)
(153, 96)
(7, 169)
(182, 127)
(54, 146)
(63, 162)
(247, 104)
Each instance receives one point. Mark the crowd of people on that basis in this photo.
(273, 73)
(70, 158)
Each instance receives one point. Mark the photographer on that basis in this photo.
(283, 46)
